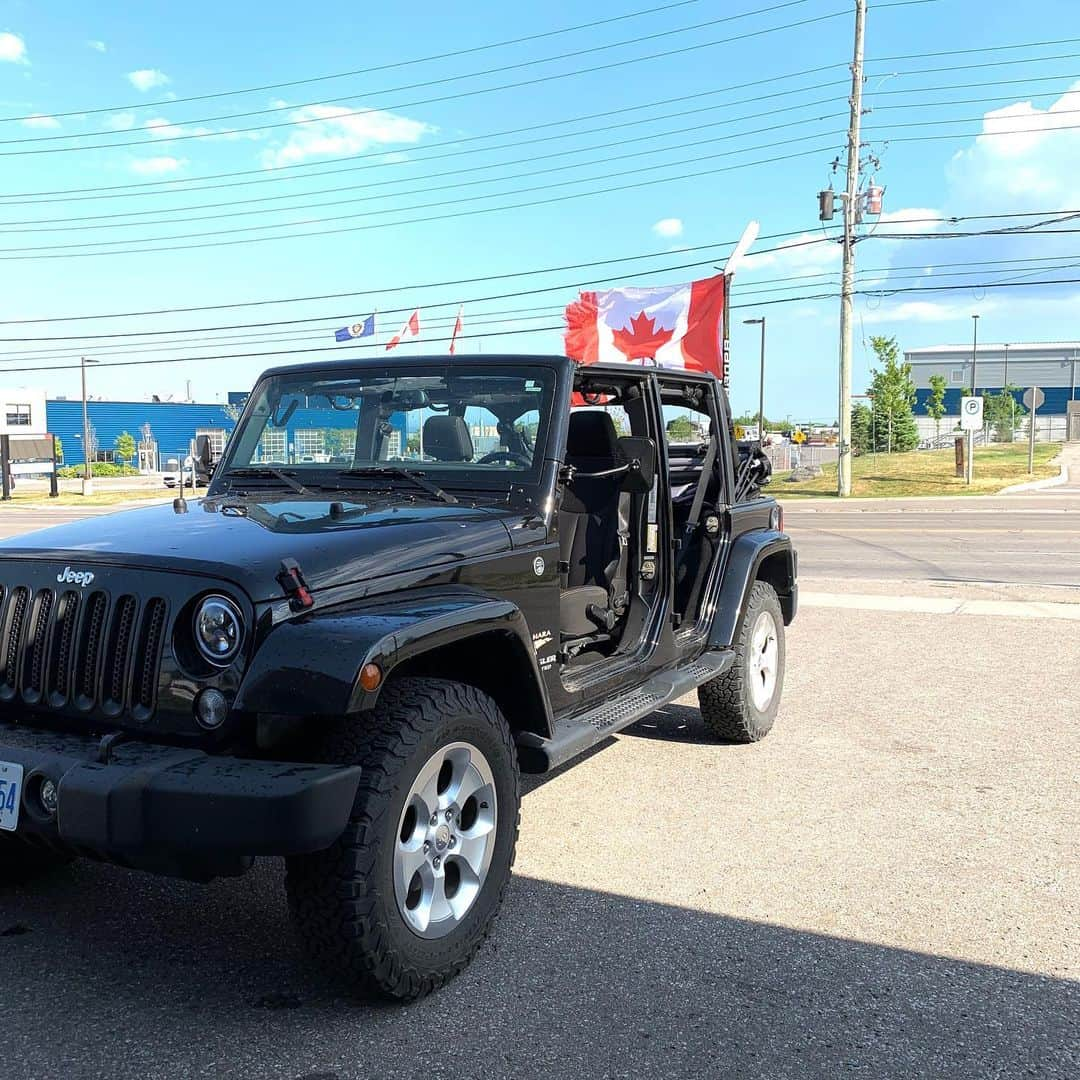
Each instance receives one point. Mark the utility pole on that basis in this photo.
(847, 285)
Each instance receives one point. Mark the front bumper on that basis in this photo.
(175, 811)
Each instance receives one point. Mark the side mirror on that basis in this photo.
(640, 455)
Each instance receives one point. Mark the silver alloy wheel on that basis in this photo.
(763, 658)
(445, 840)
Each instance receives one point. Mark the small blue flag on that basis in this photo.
(359, 329)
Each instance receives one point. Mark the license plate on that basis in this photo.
(11, 776)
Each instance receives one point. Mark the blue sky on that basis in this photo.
(122, 70)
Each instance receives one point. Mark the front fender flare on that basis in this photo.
(311, 665)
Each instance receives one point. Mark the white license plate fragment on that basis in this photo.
(11, 777)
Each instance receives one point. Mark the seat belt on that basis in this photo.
(617, 574)
(702, 487)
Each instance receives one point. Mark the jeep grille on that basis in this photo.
(81, 649)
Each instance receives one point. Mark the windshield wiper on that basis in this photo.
(264, 471)
(406, 474)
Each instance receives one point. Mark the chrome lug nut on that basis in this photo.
(453, 841)
(449, 815)
(427, 846)
(436, 862)
(434, 819)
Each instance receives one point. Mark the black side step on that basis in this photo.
(575, 734)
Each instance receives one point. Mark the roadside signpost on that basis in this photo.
(971, 420)
(1033, 398)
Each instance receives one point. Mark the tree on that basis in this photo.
(1003, 412)
(893, 395)
(861, 428)
(339, 442)
(680, 430)
(935, 403)
(125, 446)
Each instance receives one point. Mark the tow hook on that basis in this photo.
(291, 580)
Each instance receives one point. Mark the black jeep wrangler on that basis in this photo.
(407, 583)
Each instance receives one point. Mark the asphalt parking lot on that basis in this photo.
(887, 886)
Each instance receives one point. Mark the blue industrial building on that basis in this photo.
(1052, 366)
(161, 429)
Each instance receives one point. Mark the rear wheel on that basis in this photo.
(741, 705)
(20, 861)
(405, 897)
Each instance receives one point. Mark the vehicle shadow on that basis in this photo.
(125, 975)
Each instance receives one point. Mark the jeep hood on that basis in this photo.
(245, 540)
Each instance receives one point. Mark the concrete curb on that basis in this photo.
(1038, 485)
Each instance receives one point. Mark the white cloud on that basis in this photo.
(157, 166)
(336, 131)
(38, 120)
(1037, 161)
(12, 49)
(160, 128)
(913, 219)
(120, 121)
(97, 46)
(669, 226)
(147, 78)
(801, 256)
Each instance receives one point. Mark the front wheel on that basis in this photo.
(405, 897)
(741, 705)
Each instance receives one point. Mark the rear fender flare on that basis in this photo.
(764, 554)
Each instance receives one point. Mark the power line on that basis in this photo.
(382, 67)
(72, 224)
(16, 226)
(410, 288)
(99, 192)
(62, 251)
(462, 94)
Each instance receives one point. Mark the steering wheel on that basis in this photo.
(505, 455)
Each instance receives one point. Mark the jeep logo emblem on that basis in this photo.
(82, 578)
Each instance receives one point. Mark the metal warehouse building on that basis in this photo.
(161, 429)
(1053, 366)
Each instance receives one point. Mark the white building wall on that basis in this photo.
(19, 405)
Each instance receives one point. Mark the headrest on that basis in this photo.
(591, 435)
(447, 438)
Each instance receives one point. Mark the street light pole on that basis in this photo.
(974, 393)
(88, 474)
(1012, 400)
(761, 387)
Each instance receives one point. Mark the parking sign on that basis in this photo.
(971, 413)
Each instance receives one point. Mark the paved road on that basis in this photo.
(1034, 538)
(885, 887)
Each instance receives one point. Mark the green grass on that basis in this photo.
(35, 500)
(928, 472)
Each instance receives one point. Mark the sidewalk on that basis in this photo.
(1067, 483)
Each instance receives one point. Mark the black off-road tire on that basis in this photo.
(727, 704)
(342, 899)
(20, 861)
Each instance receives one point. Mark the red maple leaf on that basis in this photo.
(642, 338)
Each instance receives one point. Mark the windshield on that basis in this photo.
(480, 427)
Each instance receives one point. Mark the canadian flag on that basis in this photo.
(674, 326)
(410, 329)
(459, 325)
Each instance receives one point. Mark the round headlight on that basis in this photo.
(219, 630)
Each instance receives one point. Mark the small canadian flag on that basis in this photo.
(410, 329)
(459, 325)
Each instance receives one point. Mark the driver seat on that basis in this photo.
(589, 532)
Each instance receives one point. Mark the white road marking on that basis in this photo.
(932, 605)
